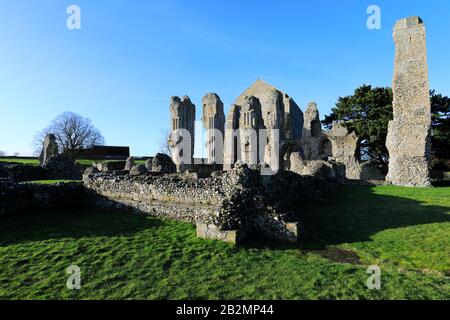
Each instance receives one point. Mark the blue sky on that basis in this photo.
(121, 68)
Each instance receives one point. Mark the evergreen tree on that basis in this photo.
(368, 112)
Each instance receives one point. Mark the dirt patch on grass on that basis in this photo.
(338, 255)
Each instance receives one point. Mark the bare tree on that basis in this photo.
(164, 142)
(73, 134)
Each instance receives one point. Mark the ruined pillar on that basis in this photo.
(312, 133)
(49, 148)
(231, 139)
(250, 122)
(273, 136)
(409, 133)
(214, 122)
(182, 131)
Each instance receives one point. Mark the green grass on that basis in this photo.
(123, 256)
(88, 163)
(51, 181)
(34, 162)
(82, 162)
(407, 227)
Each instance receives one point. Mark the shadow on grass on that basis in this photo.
(349, 214)
(354, 214)
(71, 223)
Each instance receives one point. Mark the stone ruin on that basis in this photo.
(49, 148)
(409, 134)
(129, 164)
(53, 166)
(267, 110)
(163, 164)
(182, 131)
(61, 167)
(306, 162)
(228, 205)
(214, 122)
(290, 140)
(312, 137)
(343, 147)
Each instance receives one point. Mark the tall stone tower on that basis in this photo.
(214, 122)
(182, 113)
(409, 133)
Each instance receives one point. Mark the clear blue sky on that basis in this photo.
(129, 57)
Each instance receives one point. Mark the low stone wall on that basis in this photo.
(183, 197)
(238, 200)
(109, 166)
(16, 198)
(226, 206)
(56, 168)
(169, 196)
(22, 172)
(205, 170)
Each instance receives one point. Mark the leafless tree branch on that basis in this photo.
(73, 133)
(164, 142)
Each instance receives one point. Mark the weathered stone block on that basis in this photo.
(62, 167)
(130, 163)
(109, 166)
(212, 232)
(138, 170)
(162, 163)
(323, 170)
(294, 231)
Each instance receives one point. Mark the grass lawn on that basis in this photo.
(35, 162)
(88, 163)
(122, 256)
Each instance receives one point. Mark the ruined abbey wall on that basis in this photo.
(237, 200)
(274, 115)
(265, 126)
(16, 198)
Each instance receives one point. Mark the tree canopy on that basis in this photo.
(73, 133)
(440, 108)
